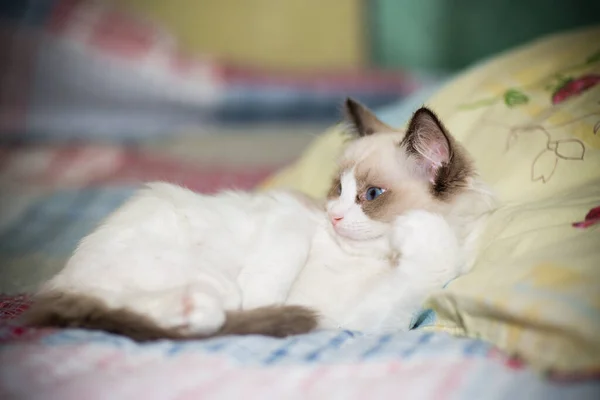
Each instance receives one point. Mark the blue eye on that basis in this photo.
(373, 192)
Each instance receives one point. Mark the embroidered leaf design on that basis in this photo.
(557, 82)
(593, 58)
(544, 166)
(514, 97)
(569, 149)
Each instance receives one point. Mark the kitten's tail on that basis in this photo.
(64, 310)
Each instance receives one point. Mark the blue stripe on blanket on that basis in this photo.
(316, 348)
(54, 223)
(467, 368)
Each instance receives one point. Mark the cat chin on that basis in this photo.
(355, 236)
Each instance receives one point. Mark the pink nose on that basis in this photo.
(336, 220)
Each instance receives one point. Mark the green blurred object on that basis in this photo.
(441, 36)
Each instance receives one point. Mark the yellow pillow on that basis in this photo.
(531, 119)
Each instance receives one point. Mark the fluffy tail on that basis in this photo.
(62, 310)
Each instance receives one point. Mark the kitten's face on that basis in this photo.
(373, 186)
(386, 172)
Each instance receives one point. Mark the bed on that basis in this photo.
(474, 346)
(55, 194)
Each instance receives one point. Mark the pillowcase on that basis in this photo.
(531, 119)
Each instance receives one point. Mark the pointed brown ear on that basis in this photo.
(439, 159)
(428, 141)
(363, 121)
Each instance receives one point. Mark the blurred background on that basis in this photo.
(125, 69)
(97, 96)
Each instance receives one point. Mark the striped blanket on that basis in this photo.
(53, 195)
(74, 364)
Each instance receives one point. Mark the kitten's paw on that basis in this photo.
(192, 313)
(421, 233)
(203, 313)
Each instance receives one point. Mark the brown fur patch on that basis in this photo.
(378, 208)
(363, 121)
(64, 310)
(452, 176)
(334, 189)
(387, 158)
(276, 321)
(400, 194)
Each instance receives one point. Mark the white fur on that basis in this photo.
(183, 259)
(354, 224)
(370, 276)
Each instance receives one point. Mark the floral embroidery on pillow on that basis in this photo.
(591, 218)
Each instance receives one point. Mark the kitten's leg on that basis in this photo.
(267, 278)
(195, 309)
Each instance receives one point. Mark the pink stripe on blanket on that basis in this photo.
(19, 49)
(113, 31)
(12, 306)
(92, 165)
(95, 371)
(348, 80)
(62, 15)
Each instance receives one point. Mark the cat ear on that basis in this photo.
(362, 120)
(428, 141)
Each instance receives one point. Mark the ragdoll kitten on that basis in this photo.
(405, 210)
(401, 220)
